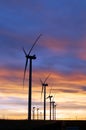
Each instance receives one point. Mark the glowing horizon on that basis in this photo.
(69, 96)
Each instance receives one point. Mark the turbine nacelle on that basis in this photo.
(33, 108)
(32, 57)
(49, 97)
(44, 84)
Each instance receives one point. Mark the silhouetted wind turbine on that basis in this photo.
(50, 97)
(30, 57)
(37, 113)
(55, 110)
(33, 113)
(44, 84)
(54, 107)
(53, 104)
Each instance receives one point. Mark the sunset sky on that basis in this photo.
(61, 51)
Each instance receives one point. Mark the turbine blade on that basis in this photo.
(42, 88)
(54, 96)
(24, 51)
(25, 70)
(41, 81)
(50, 90)
(34, 43)
(42, 91)
(47, 97)
(47, 78)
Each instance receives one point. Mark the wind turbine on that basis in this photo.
(55, 110)
(33, 113)
(44, 85)
(37, 113)
(53, 104)
(50, 97)
(30, 57)
(54, 107)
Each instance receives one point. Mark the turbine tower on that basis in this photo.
(30, 57)
(44, 85)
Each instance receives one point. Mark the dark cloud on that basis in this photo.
(66, 90)
(71, 105)
(83, 88)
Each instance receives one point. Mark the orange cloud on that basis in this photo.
(55, 45)
(67, 90)
(81, 53)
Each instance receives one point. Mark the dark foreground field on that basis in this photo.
(42, 125)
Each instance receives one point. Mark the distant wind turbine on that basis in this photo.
(54, 107)
(50, 97)
(53, 104)
(37, 113)
(55, 110)
(44, 85)
(33, 113)
(30, 57)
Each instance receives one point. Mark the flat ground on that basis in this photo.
(42, 125)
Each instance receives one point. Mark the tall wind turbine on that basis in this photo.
(44, 85)
(50, 97)
(30, 57)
